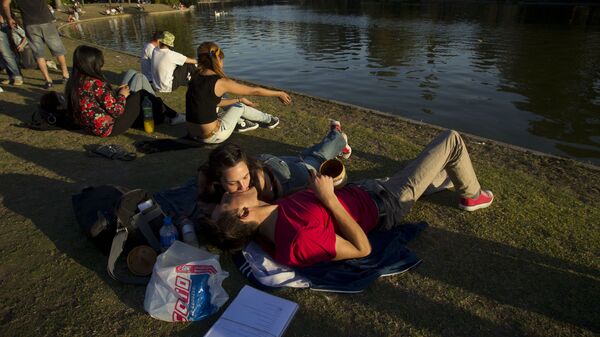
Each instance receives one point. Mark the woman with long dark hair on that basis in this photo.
(204, 95)
(231, 170)
(93, 104)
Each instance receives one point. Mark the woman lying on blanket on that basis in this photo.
(230, 170)
(320, 224)
(94, 105)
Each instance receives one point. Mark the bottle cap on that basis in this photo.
(167, 220)
(187, 228)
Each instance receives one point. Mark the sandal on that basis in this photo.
(111, 151)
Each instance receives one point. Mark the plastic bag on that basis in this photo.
(185, 284)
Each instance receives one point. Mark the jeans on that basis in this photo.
(443, 163)
(8, 59)
(292, 173)
(137, 81)
(229, 119)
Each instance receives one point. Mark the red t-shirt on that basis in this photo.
(305, 229)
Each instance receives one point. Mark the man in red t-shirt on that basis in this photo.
(322, 224)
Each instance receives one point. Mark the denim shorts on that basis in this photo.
(42, 35)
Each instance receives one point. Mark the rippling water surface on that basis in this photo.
(525, 75)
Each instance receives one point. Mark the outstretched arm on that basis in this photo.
(226, 85)
(353, 242)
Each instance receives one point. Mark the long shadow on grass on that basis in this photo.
(517, 277)
(410, 310)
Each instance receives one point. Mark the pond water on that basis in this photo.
(528, 75)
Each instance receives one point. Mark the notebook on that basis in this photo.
(254, 313)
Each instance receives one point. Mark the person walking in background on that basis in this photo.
(93, 104)
(8, 59)
(26, 58)
(146, 58)
(41, 32)
(204, 95)
(170, 69)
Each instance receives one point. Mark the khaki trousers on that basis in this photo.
(444, 163)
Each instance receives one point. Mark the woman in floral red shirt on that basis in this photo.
(95, 106)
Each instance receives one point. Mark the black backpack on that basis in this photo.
(52, 114)
(110, 217)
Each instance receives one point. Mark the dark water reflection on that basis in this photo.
(526, 75)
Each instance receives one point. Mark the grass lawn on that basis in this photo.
(527, 266)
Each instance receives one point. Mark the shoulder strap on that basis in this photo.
(142, 220)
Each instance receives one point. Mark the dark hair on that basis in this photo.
(157, 35)
(223, 157)
(164, 46)
(87, 63)
(229, 232)
(209, 53)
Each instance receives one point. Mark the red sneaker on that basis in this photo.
(347, 150)
(484, 200)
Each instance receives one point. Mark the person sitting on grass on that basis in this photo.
(322, 224)
(170, 69)
(229, 170)
(204, 95)
(93, 104)
(146, 58)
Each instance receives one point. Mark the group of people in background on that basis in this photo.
(211, 116)
(283, 202)
(37, 33)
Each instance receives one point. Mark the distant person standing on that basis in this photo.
(8, 59)
(170, 69)
(146, 58)
(41, 31)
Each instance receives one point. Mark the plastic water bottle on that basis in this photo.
(148, 117)
(187, 231)
(168, 233)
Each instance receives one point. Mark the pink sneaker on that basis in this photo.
(485, 199)
(347, 150)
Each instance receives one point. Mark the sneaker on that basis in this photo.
(15, 81)
(179, 119)
(335, 125)
(48, 85)
(273, 123)
(485, 199)
(246, 125)
(347, 150)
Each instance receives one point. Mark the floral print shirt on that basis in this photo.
(99, 107)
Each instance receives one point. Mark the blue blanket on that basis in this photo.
(389, 255)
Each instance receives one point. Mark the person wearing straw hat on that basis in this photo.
(321, 224)
(169, 68)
